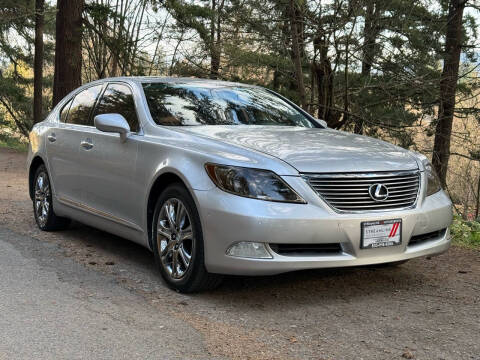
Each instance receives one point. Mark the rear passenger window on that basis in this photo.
(118, 99)
(64, 112)
(82, 106)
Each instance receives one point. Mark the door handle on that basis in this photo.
(52, 137)
(87, 144)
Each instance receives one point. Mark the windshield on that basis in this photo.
(191, 104)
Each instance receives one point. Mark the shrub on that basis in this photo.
(465, 232)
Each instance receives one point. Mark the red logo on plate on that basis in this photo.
(394, 230)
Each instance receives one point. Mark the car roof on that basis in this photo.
(208, 83)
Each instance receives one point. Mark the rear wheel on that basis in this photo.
(178, 242)
(45, 217)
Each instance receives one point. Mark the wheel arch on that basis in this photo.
(159, 184)
(35, 163)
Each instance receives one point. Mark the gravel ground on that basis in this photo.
(424, 309)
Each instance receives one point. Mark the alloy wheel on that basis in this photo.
(42, 198)
(175, 238)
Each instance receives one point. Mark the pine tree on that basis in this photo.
(448, 87)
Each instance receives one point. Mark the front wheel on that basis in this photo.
(178, 242)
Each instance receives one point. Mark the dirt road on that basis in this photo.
(424, 309)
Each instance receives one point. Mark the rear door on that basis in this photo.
(63, 143)
(109, 175)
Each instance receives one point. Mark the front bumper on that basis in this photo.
(227, 219)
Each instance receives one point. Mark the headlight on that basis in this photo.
(433, 182)
(252, 183)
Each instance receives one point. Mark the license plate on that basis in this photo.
(382, 233)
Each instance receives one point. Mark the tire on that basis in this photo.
(177, 241)
(43, 211)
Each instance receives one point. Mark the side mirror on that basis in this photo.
(114, 123)
(322, 123)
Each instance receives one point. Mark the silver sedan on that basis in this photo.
(224, 178)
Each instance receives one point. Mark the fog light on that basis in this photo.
(249, 250)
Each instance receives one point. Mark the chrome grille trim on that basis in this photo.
(348, 192)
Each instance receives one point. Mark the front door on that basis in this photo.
(109, 175)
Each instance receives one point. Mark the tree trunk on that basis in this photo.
(38, 62)
(68, 48)
(216, 44)
(477, 207)
(346, 99)
(276, 79)
(214, 55)
(448, 87)
(297, 56)
(324, 76)
(371, 31)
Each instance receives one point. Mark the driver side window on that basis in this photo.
(82, 106)
(118, 99)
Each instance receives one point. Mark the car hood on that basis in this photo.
(314, 150)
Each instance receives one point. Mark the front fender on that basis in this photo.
(36, 153)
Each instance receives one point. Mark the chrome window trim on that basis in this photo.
(104, 84)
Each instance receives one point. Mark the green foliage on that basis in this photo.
(15, 104)
(192, 16)
(253, 42)
(12, 142)
(16, 62)
(465, 233)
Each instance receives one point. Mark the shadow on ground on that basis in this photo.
(292, 287)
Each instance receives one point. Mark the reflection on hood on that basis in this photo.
(314, 150)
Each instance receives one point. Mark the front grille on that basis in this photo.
(349, 192)
(306, 249)
(420, 239)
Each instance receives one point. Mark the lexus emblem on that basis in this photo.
(378, 192)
